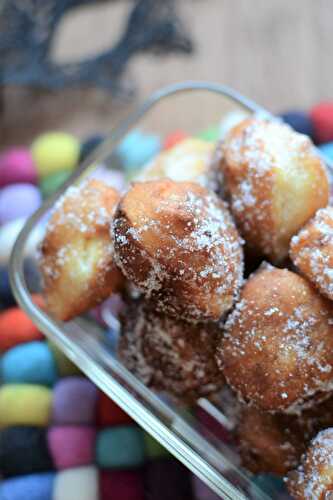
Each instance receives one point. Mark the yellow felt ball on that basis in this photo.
(55, 151)
(25, 404)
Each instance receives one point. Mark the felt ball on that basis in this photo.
(109, 413)
(202, 491)
(322, 119)
(8, 235)
(174, 138)
(77, 484)
(6, 295)
(120, 447)
(31, 363)
(51, 183)
(209, 425)
(18, 200)
(17, 165)
(24, 450)
(72, 446)
(299, 121)
(137, 148)
(230, 120)
(153, 449)
(25, 404)
(121, 485)
(89, 145)
(167, 480)
(16, 328)
(55, 151)
(327, 150)
(65, 366)
(211, 134)
(270, 484)
(32, 487)
(74, 402)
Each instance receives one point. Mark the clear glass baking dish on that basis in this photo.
(192, 107)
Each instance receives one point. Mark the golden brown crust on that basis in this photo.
(170, 355)
(313, 480)
(177, 242)
(277, 349)
(189, 160)
(275, 181)
(270, 443)
(311, 250)
(76, 254)
(275, 443)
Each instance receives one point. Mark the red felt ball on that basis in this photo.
(121, 484)
(172, 139)
(15, 328)
(322, 118)
(109, 414)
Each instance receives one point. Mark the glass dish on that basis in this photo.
(83, 340)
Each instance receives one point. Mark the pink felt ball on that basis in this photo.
(17, 165)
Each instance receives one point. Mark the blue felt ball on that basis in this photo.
(137, 148)
(120, 447)
(269, 483)
(6, 295)
(30, 363)
(31, 487)
(89, 145)
(327, 150)
(299, 121)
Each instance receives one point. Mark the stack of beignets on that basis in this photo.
(193, 325)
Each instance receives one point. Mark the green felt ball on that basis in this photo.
(64, 365)
(120, 447)
(153, 448)
(54, 152)
(50, 184)
(211, 134)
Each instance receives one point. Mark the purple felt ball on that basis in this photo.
(17, 165)
(74, 402)
(18, 200)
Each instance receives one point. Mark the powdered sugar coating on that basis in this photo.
(178, 244)
(76, 255)
(189, 160)
(313, 480)
(275, 181)
(276, 352)
(311, 250)
(170, 355)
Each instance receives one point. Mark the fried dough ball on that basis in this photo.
(311, 250)
(275, 443)
(177, 243)
(269, 443)
(76, 254)
(170, 355)
(187, 161)
(277, 349)
(313, 479)
(275, 181)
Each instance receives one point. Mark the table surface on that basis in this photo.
(278, 52)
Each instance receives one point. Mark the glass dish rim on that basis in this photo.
(52, 328)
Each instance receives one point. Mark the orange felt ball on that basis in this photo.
(16, 328)
(108, 413)
(172, 139)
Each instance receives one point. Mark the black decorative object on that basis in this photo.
(27, 28)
